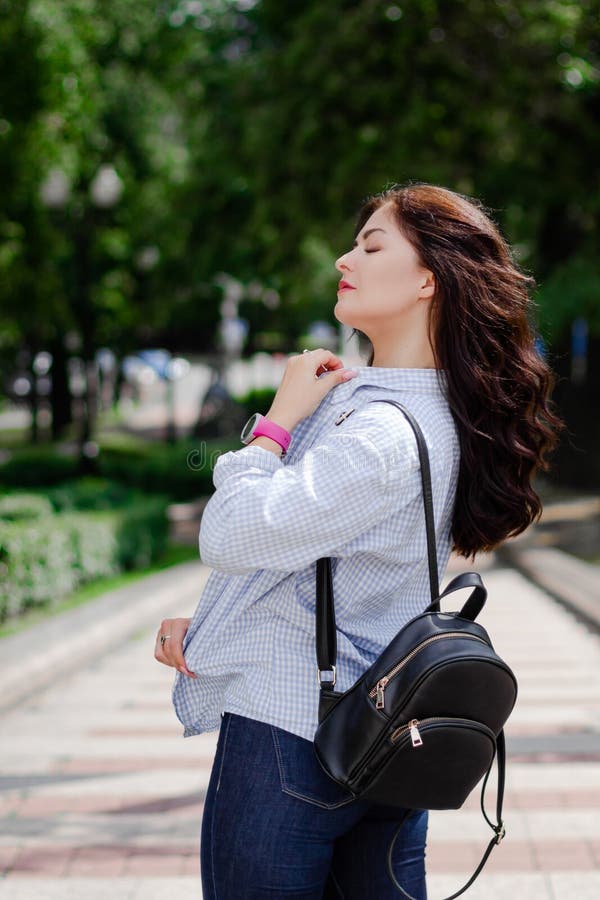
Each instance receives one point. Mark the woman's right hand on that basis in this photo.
(170, 651)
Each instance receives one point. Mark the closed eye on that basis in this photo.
(374, 250)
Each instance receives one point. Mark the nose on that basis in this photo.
(342, 264)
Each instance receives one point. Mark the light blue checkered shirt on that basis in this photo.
(347, 489)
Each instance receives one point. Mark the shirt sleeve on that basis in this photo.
(266, 514)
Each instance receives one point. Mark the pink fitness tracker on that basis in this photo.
(258, 425)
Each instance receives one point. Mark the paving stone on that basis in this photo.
(101, 797)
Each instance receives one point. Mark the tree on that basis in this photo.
(247, 133)
(319, 104)
(85, 97)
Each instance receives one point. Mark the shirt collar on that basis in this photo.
(431, 381)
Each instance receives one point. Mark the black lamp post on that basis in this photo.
(104, 193)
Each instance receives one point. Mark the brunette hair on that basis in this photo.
(498, 384)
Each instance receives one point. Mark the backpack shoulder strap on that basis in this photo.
(325, 608)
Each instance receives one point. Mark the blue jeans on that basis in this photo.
(275, 826)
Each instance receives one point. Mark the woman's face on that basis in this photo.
(386, 282)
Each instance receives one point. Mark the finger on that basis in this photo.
(173, 647)
(323, 368)
(338, 377)
(175, 663)
(170, 651)
(322, 361)
(328, 359)
(332, 364)
(159, 654)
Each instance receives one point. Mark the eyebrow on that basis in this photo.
(367, 233)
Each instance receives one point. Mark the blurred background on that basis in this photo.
(178, 179)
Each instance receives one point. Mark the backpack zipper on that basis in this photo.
(379, 690)
(413, 727)
(415, 735)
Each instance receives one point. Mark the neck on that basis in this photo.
(402, 353)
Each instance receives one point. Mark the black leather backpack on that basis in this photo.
(422, 726)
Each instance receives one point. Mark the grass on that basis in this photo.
(176, 553)
(14, 438)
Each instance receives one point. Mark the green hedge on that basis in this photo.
(141, 533)
(37, 564)
(37, 466)
(182, 471)
(43, 559)
(90, 493)
(258, 400)
(24, 506)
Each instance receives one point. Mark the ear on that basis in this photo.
(427, 289)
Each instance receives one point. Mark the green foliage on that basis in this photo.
(141, 533)
(571, 291)
(181, 471)
(23, 506)
(494, 99)
(95, 543)
(89, 493)
(44, 559)
(246, 136)
(258, 400)
(37, 560)
(37, 466)
(85, 85)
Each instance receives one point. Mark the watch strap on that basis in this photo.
(277, 433)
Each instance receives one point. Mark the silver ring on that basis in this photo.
(163, 638)
(306, 351)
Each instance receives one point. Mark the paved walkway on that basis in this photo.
(102, 798)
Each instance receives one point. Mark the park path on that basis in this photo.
(101, 797)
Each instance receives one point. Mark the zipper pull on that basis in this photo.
(417, 740)
(380, 701)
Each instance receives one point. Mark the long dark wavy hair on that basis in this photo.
(498, 384)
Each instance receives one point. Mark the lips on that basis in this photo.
(345, 286)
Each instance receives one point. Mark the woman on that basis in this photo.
(432, 285)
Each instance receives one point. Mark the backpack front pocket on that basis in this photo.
(431, 763)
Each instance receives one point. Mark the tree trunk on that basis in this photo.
(60, 397)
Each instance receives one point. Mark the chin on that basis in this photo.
(341, 316)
